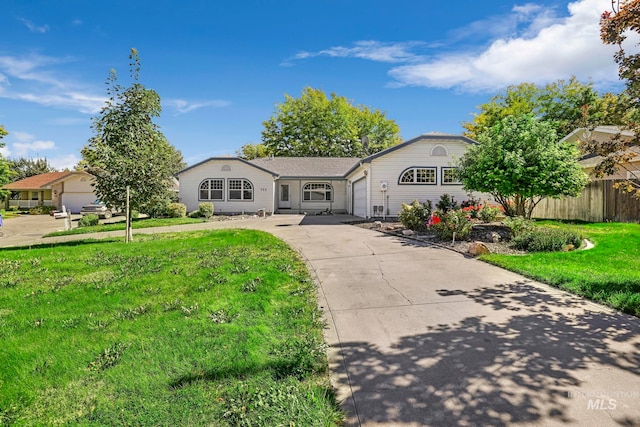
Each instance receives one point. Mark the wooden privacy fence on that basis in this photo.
(598, 202)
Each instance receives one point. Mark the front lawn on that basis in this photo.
(609, 273)
(121, 225)
(205, 328)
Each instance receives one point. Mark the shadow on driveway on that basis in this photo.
(525, 369)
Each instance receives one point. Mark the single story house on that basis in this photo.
(376, 186)
(629, 170)
(69, 189)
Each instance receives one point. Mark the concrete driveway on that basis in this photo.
(421, 335)
(425, 336)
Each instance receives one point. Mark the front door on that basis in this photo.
(285, 197)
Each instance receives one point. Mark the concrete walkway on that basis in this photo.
(421, 335)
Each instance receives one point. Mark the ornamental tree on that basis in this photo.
(128, 149)
(615, 28)
(519, 161)
(314, 125)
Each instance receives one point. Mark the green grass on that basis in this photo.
(609, 273)
(120, 225)
(9, 214)
(205, 328)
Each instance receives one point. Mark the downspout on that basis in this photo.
(299, 196)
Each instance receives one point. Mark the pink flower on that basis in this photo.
(433, 220)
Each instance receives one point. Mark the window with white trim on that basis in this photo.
(212, 189)
(317, 192)
(240, 189)
(420, 175)
(449, 176)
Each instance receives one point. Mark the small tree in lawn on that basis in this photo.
(128, 149)
(519, 161)
(5, 170)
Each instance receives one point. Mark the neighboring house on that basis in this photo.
(69, 189)
(600, 200)
(604, 133)
(376, 186)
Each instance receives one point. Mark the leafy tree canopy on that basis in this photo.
(5, 169)
(24, 168)
(128, 149)
(519, 161)
(252, 151)
(314, 125)
(615, 28)
(566, 105)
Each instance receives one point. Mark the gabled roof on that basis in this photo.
(598, 133)
(229, 159)
(432, 137)
(38, 182)
(307, 167)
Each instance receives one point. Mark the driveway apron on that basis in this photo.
(422, 335)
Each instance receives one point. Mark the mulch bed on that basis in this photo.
(494, 235)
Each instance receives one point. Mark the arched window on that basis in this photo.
(212, 189)
(418, 175)
(225, 168)
(317, 192)
(240, 189)
(439, 150)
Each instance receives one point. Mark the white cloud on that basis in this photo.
(367, 49)
(532, 43)
(66, 161)
(33, 27)
(24, 143)
(548, 49)
(183, 107)
(35, 82)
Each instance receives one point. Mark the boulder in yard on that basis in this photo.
(478, 248)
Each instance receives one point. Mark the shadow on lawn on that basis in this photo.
(520, 370)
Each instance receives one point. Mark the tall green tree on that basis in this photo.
(519, 161)
(5, 169)
(23, 167)
(314, 125)
(128, 149)
(566, 105)
(252, 151)
(616, 26)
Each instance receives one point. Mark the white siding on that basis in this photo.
(74, 192)
(388, 168)
(263, 189)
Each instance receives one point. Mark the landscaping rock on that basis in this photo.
(407, 232)
(478, 248)
(493, 237)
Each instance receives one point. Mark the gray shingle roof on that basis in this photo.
(307, 167)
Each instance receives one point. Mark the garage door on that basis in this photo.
(74, 201)
(360, 198)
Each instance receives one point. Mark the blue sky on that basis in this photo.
(220, 67)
